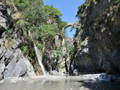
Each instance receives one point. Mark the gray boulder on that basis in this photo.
(19, 70)
(54, 72)
(15, 64)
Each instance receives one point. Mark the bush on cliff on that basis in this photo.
(39, 19)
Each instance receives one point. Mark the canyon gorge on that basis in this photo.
(33, 41)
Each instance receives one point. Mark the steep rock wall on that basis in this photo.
(12, 61)
(97, 38)
(55, 56)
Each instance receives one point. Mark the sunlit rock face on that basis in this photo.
(97, 42)
(5, 16)
(12, 61)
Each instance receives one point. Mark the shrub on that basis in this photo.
(79, 44)
(35, 20)
(9, 42)
(52, 11)
(59, 52)
(36, 17)
(117, 1)
(97, 24)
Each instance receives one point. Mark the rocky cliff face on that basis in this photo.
(97, 39)
(17, 60)
(12, 61)
(55, 55)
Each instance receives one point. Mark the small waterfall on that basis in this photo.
(39, 61)
(38, 58)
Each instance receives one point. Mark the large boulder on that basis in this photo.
(54, 72)
(15, 66)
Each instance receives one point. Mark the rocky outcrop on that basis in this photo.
(96, 44)
(55, 55)
(12, 61)
(14, 45)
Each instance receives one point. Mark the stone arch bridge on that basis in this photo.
(68, 25)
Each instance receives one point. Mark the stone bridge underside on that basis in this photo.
(68, 25)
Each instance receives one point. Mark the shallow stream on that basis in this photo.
(55, 83)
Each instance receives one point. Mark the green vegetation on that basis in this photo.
(79, 44)
(73, 36)
(9, 42)
(52, 11)
(63, 67)
(88, 1)
(118, 4)
(81, 27)
(97, 24)
(59, 52)
(36, 17)
(105, 13)
(103, 29)
(41, 21)
(22, 3)
(71, 51)
(80, 14)
(67, 47)
(25, 50)
(118, 8)
(117, 1)
(28, 51)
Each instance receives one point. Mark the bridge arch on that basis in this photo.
(63, 30)
(68, 25)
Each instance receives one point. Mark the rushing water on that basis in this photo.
(39, 61)
(56, 83)
(38, 57)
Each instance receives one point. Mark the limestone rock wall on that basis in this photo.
(55, 56)
(97, 40)
(12, 61)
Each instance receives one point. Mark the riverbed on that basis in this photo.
(56, 83)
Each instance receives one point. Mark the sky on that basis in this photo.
(69, 10)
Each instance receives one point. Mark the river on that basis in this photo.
(55, 83)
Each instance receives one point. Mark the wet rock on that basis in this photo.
(75, 72)
(101, 77)
(118, 80)
(54, 72)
